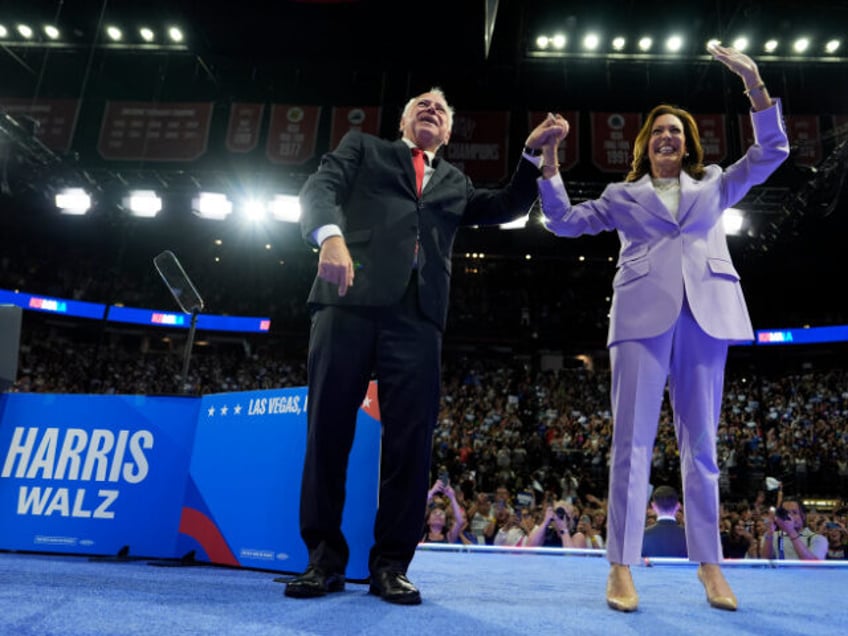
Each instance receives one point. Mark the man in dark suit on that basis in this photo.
(666, 538)
(379, 305)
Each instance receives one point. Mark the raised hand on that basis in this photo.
(737, 62)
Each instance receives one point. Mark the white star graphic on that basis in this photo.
(366, 402)
(237, 409)
(211, 411)
(224, 410)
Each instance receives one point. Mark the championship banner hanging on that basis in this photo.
(345, 118)
(478, 145)
(144, 131)
(243, 127)
(292, 133)
(612, 140)
(55, 119)
(713, 132)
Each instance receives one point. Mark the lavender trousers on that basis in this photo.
(693, 362)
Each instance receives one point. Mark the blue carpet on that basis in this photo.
(465, 593)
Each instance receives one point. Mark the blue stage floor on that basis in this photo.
(465, 593)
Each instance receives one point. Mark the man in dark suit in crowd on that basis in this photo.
(379, 303)
(666, 538)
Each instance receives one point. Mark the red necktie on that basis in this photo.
(418, 164)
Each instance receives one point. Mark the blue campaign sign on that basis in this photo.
(242, 506)
(91, 474)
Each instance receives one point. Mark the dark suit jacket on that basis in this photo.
(664, 539)
(366, 186)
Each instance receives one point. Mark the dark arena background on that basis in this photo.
(185, 99)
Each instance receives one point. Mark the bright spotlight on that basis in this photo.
(559, 41)
(175, 34)
(146, 34)
(542, 41)
(713, 43)
(645, 44)
(733, 219)
(24, 30)
(618, 43)
(73, 201)
(286, 208)
(674, 43)
(800, 45)
(143, 203)
(212, 205)
(114, 33)
(253, 209)
(51, 32)
(740, 43)
(4, 32)
(591, 41)
(770, 46)
(832, 46)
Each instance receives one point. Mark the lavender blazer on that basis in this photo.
(663, 259)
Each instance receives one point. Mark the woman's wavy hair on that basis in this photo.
(693, 164)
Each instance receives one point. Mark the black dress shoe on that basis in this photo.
(315, 582)
(394, 587)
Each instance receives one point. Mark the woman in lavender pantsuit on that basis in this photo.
(677, 304)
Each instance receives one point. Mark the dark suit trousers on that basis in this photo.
(403, 349)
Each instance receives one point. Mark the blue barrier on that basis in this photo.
(220, 475)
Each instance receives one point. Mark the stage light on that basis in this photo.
(713, 42)
(801, 45)
(832, 46)
(253, 210)
(559, 41)
(732, 219)
(4, 32)
(286, 208)
(212, 205)
(770, 46)
(24, 30)
(591, 41)
(114, 33)
(73, 201)
(143, 203)
(175, 34)
(740, 43)
(543, 41)
(674, 43)
(645, 44)
(51, 32)
(618, 43)
(146, 34)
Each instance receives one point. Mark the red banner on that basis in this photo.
(292, 133)
(345, 118)
(569, 150)
(135, 131)
(56, 118)
(805, 137)
(244, 125)
(713, 132)
(478, 145)
(612, 140)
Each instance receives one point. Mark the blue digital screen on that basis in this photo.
(207, 322)
(802, 335)
(52, 305)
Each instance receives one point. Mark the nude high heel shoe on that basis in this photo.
(621, 593)
(719, 594)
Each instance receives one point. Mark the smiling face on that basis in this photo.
(427, 121)
(666, 146)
